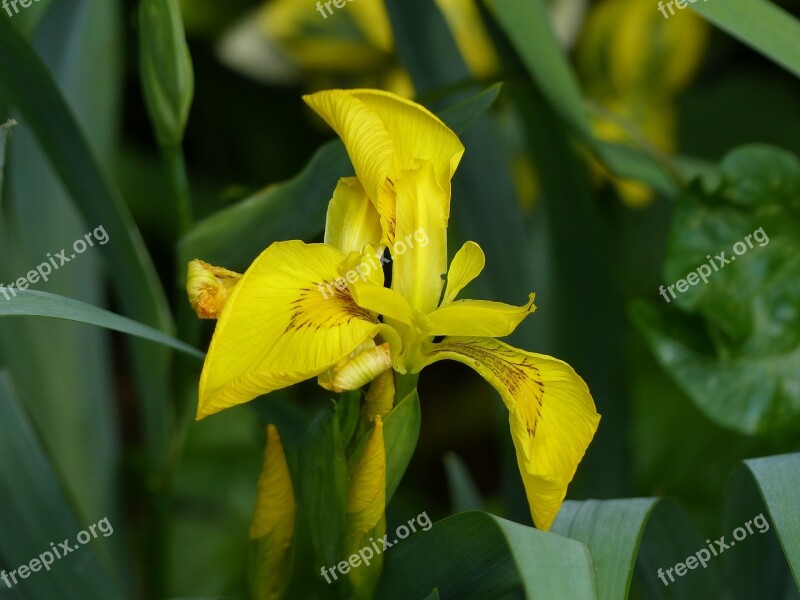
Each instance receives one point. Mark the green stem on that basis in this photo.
(179, 182)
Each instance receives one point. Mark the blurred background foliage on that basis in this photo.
(606, 167)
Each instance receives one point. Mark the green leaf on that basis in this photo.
(670, 538)
(5, 132)
(25, 79)
(762, 25)
(34, 512)
(294, 209)
(722, 346)
(400, 434)
(612, 530)
(323, 485)
(778, 479)
(434, 595)
(475, 555)
(43, 304)
(62, 370)
(464, 494)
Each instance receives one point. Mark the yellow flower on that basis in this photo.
(634, 63)
(306, 310)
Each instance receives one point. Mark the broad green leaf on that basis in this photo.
(612, 529)
(28, 83)
(43, 304)
(475, 555)
(25, 78)
(434, 595)
(778, 479)
(464, 494)
(760, 24)
(63, 371)
(670, 538)
(323, 485)
(732, 270)
(34, 511)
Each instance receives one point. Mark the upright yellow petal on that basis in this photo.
(385, 135)
(464, 20)
(420, 246)
(290, 318)
(352, 222)
(551, 414)
(466, 265)
(479, 318)
(273, 523)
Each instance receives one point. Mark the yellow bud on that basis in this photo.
(380, 396)
(273, 523)
(366, 506)
(358, 369)
(208, 288)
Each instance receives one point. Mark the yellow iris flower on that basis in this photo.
(322, 310)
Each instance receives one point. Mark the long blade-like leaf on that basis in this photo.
(43, 304)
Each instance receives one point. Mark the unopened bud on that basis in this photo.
(358, 369)
(208, 288)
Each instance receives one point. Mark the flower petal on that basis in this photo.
(551, 414)
(420, 247)
(385, 135)
(480, 318)
(285, 322)
(352, 222)
(467, 264)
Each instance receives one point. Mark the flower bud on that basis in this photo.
(363, 365)
(208, 288)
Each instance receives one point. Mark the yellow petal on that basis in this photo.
(385, 135)
(286, 321)
(480, 318)
(420, 246)
(275, 502)
(381, 300)
(208, 288)
(551, 414)
(467, 264)
(352, 222)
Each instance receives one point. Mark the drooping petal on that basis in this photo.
(286, 321)
(551, 414)
(466, 265)
(479, 318)
(420, 247)
(352, 222)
